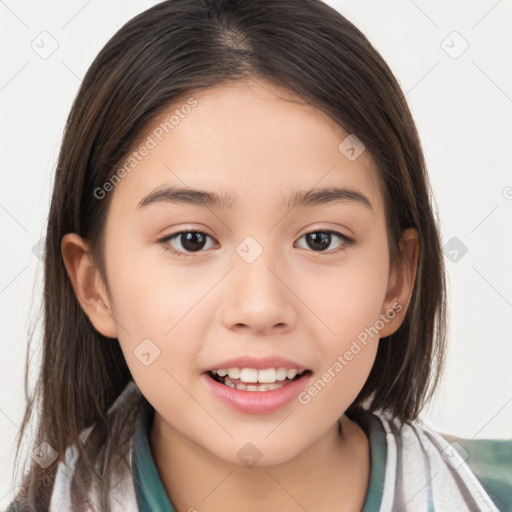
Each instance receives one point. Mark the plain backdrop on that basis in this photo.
(453, 61)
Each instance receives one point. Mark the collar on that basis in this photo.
(152, 497)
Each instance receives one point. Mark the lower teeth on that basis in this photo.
(253, 387)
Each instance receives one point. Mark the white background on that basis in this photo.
(462, 107)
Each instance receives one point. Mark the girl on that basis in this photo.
(280, 364)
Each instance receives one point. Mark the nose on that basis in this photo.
(259, 296)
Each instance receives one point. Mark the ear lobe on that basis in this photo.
(401, 282)
(88, 285)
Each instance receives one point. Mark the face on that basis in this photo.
(193, 286)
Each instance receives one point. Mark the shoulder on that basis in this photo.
(490, 460)
(121, 491)
(451, 472)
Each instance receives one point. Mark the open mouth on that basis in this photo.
(252, 382)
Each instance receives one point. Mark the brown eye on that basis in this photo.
(183, 242)
(320, 240)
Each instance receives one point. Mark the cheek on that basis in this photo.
(331, 391)
(156, 307)
(347, 296)
(161, 338)
(348, 348)
(348, 299)
(152, 295)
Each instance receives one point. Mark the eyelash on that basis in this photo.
(164, 241)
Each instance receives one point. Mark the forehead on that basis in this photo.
(252, 141)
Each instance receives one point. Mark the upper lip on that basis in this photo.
(259, 363)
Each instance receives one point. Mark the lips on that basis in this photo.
(257, 401)
(256, 385)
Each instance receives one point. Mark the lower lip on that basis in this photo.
(256, 402)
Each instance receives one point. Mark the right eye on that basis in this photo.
(190, 240)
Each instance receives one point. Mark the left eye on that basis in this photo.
(194, 241)
(322, 238)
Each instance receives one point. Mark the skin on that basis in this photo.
(256, 141)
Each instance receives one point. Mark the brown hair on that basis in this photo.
(184, 45)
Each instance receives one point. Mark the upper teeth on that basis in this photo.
(267, 376)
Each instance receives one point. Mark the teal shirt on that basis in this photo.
(152, 497)
(490, 461)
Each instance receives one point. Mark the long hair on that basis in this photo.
(163, 53)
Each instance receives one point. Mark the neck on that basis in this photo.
(320, 478)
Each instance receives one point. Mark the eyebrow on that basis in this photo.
(297, 199)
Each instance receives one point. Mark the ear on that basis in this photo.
(89, 288)
(401, 283)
